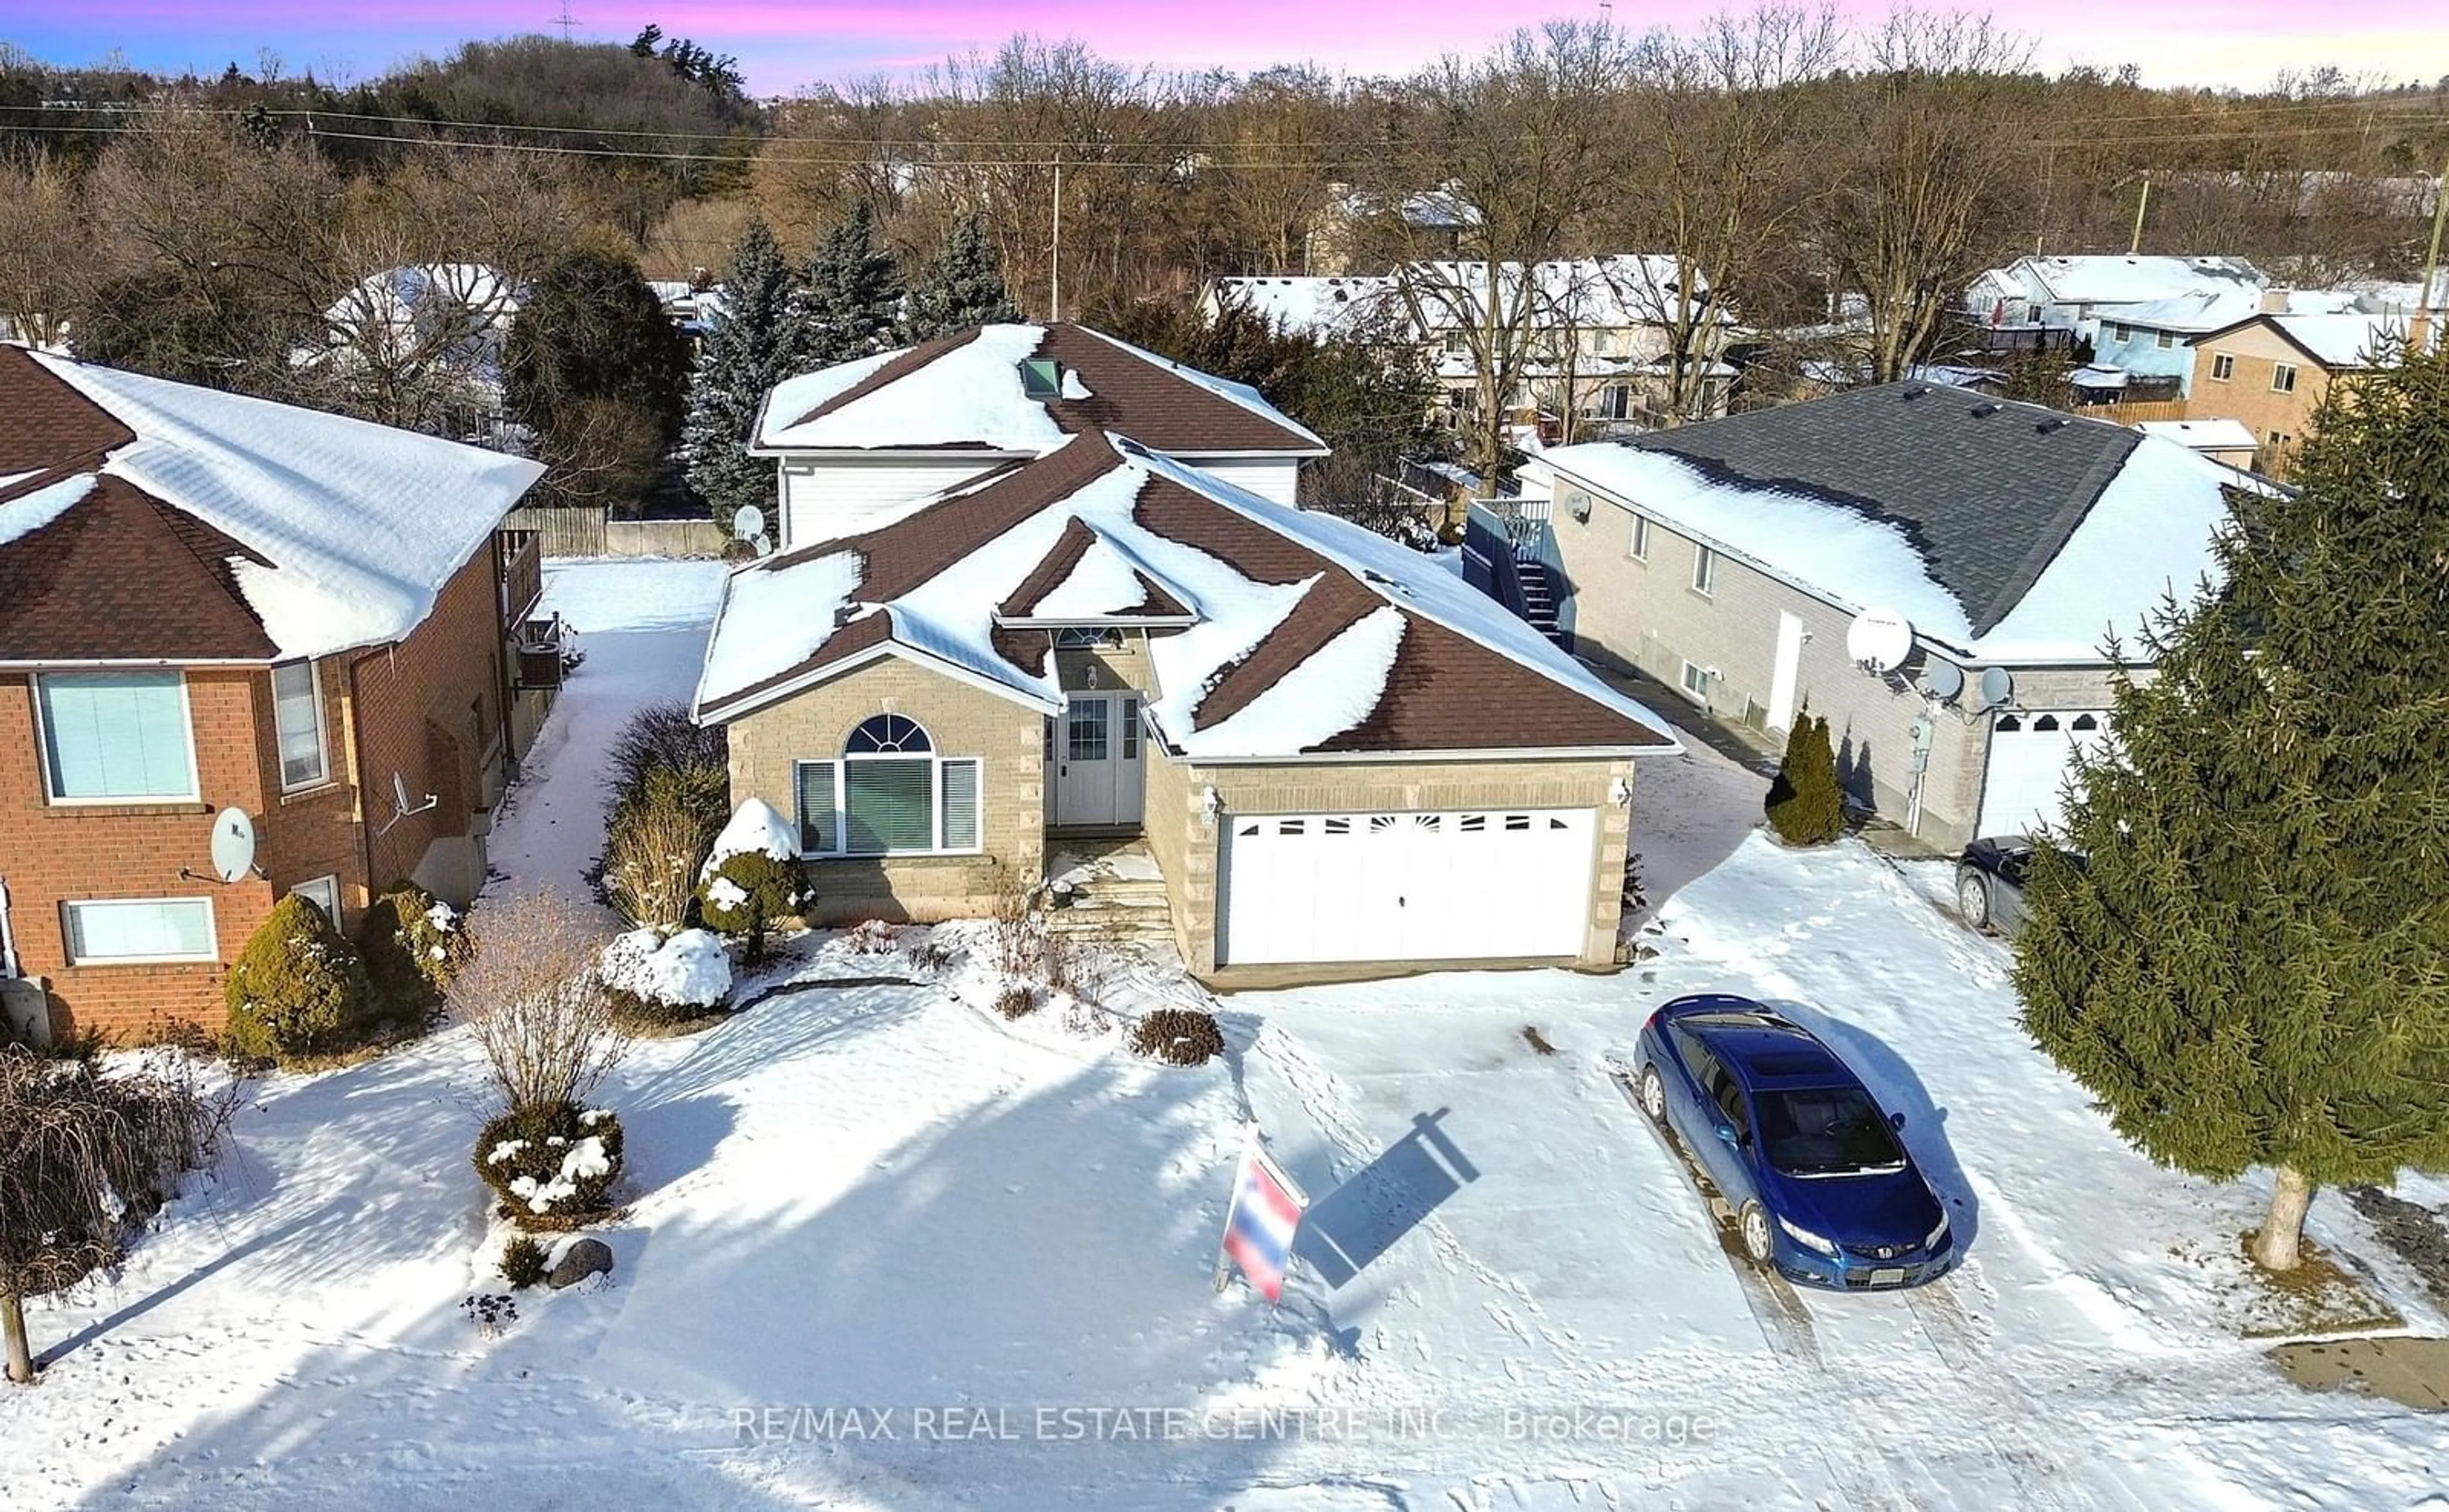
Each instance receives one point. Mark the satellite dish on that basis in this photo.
(748, 523)
(1996, 687)
(1881, 638)
(1944, 678)
(233, 845)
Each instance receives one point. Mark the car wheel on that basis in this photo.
(1757, 1241)
(1653, 1096)
(1973, 899)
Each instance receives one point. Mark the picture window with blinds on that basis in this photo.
(891, 793)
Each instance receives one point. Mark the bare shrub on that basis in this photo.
(534, 994)
(1017, 1000)
(662, 736)
(84, 1158)
(655, 840)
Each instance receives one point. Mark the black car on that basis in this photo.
(1990, 883)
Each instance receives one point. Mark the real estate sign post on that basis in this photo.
(1259, 1223)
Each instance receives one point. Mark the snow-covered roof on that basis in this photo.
(1615, 292)
(1306, 633)
(2109, 279)
(398, 295)
(966, 392)
(2005, 532)
(2203, 436)
(2341, 341)
(2097, 377)
(318, 532)
(2211, 308)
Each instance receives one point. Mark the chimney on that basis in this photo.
(2274, 300)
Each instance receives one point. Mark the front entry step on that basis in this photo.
(1110, 891)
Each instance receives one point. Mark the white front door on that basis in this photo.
(1785, 672)
(1406, 886)
(1097, 760)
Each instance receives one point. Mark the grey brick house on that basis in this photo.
(1730, 559)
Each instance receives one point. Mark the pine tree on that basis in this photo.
(853, 303)
(962, 288)
(2250, 966)
(1805, 804)
(756, 342)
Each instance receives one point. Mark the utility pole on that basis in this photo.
(1055, 280)
(567, 23)
(2416, 329)
(2142, 204)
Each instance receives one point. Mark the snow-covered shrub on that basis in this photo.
(655, 984)
(653, 839)
(413, 944)
(929, 955)
(523, 1262)
(299, 988)
(752, 878)
(553, 1166)
(874, 937)
(1179, 1036)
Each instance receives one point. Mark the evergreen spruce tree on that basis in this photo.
(1805, 804)
(2252, 966)
(962, 288)
(754, 344)
(852, 306)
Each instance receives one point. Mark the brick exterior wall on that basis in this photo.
(2277, 421)
(53, 853)
(961, 720)
(1646, 615)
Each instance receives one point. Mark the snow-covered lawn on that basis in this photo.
(881, 1200)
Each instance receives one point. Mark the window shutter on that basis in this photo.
(961, 805)
(818, 834)
(889, 806)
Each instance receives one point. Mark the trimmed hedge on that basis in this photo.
(523, 1262)
(747, 894)
(414, 944)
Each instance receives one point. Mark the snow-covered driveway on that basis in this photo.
(878, 1200)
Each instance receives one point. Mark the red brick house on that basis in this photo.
(210, 602)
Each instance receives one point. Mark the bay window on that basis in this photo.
(116, 736)
(889, 793)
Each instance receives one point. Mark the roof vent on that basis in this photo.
(1984, 410)
(2056, 422)
(1916, 391)
(1041, 378)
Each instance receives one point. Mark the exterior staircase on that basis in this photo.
(1538, 594)
(1108, 891)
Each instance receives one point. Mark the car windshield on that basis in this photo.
(1826, 1131)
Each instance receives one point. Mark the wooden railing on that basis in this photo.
(2134, 411)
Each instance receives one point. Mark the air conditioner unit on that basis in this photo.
(539, 666)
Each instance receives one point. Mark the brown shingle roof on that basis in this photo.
(121, 576)
(45, 424)
(1445, 691)
(1056, 569)
(1128, 393)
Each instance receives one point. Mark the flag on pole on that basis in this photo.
(1259, 1226)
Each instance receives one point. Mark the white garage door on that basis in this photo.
(1405, 887)
(2028, 764)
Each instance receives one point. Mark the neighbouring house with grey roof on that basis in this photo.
(1934, 571)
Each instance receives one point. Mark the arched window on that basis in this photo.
(889, 795)
(2084, 721)
(888, 734)
(2009, 724)
(2047, 722)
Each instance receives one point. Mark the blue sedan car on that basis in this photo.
(1822, 1190)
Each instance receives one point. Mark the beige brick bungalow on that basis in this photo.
(1338, 755)
(1731, 560)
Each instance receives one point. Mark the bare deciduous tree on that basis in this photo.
(42, 246)
(533, 994)
(1930, 149)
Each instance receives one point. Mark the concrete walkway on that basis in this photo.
(2411, 1371)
